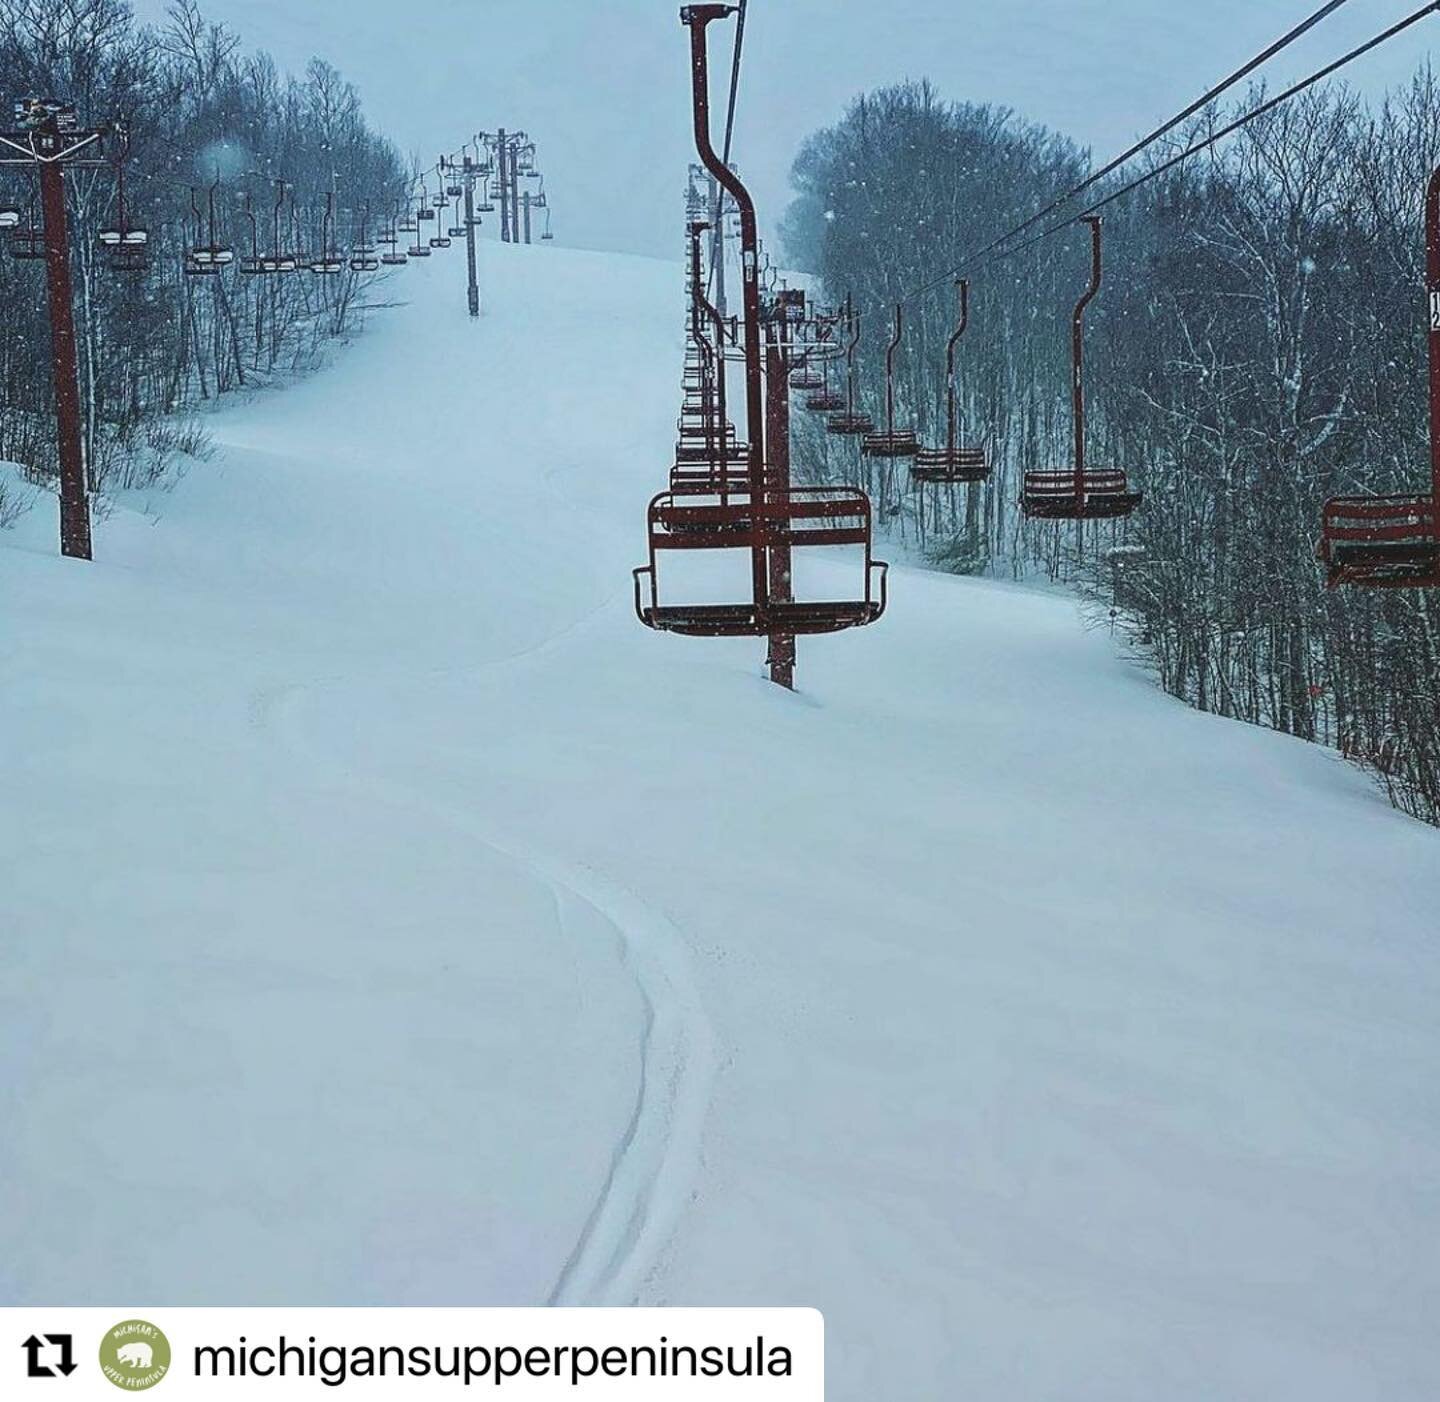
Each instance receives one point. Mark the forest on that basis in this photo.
(190, 113)
(1259, 344)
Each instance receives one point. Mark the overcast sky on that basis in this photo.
(602, 85)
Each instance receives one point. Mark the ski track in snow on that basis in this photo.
(655, 1164)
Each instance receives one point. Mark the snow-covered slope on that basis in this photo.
(388, 918)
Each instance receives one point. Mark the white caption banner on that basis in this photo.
(531, 1355)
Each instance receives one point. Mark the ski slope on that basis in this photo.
(388, 918)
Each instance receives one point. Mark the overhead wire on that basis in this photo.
(1160, 132)
(995, 248)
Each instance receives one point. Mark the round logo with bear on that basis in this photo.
(134, 1355)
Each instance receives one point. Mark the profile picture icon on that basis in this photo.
(134, 1355)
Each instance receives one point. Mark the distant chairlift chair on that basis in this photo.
(891, 442)
(955, 462)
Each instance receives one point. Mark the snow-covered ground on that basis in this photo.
(388, 918)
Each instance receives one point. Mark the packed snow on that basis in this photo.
(390, 919)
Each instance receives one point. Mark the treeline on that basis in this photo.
(1259, 345)
(196, 108)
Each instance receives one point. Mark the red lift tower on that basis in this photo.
(48, 138)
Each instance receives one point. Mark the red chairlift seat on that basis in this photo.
(950, 465)
(456, 231)
(890, 443)
(705, 452)
(27, 245)
(425, 214)
(1381, 542)
(807, 379)
(327, 267)
(1099, 494)
(1079, 493)
(394, 258)
(455, 191)
(798, 517)
(707, 428)
(419, 250)
(849, 424)
(710, 479)
(827, 401)
(130, 260)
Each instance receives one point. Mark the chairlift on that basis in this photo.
(453, 190)
(850, 422)
(1393, 541)
(1080, 493)
(252, 264)
(761, 518)
(127, 245)
(26, 241)
(328, 262)
(207, 256)
(363, 254)
(438, 239)
(891, 442)
(389, 235)
(419, 246)
(279, 259)
(827, 399)
(955, 462)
